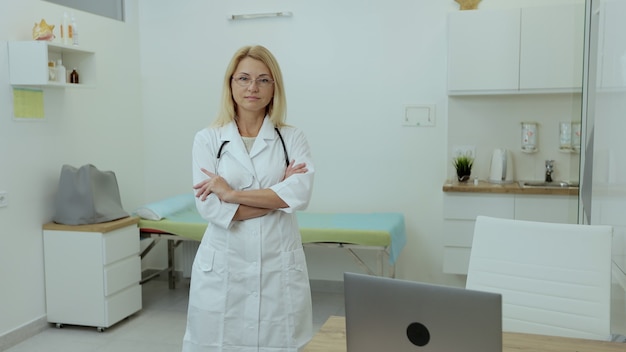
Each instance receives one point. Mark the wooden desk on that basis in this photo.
(332, 338)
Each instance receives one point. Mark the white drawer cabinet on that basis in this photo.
(461, 209)
(553, 208)
(92, 272)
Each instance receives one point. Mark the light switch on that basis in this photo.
(419, 115)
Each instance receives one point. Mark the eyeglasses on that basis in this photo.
(245, 81)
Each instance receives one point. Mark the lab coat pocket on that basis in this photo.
(209, 280)
(242, 181)
(237, 176)
(294, 260)
(297, 295)
(296, 276)
(205, 262)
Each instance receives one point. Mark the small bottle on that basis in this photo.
(52, 71)
(64, 29)
(61, 72)
(74, 31)
(74, 76)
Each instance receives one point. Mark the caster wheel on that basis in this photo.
(100, 329)
(59, 326)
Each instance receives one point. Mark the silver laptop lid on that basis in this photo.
(384, 314)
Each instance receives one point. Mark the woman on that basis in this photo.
(249, 284)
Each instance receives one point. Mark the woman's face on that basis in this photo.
(252, 85)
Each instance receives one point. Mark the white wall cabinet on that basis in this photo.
(461, 209)
(92, 272)
(528, 50)
(28, 63)
(483, 50)
(551, 47)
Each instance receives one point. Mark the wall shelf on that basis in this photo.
(28, 63)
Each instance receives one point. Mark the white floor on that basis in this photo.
(160, 325)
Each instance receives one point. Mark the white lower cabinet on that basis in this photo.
(553, 208)
(92, 273)
(461, 209)
(459, 212)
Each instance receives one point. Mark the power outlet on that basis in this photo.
(4, 199)
(467, 150)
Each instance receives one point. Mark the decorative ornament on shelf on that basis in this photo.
(43, 31)
(468, 4)
(463, 166)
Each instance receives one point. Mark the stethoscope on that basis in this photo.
(282, 141)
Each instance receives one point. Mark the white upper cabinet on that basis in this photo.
(483, 50)
(551, 44)
(535, 49)
(28, 63)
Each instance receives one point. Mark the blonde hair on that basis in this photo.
(277, 107)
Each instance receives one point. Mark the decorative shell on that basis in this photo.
(43, 31)
(468, 4)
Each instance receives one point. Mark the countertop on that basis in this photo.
(509, 188)
(102, 227)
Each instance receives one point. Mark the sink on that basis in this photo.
(544, 184)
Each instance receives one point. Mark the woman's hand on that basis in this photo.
(294, 168)
(214, 184)
(217, 184)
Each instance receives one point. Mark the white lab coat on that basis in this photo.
(249, 283)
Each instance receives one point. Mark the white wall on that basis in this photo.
(489, 122)
(101, 126)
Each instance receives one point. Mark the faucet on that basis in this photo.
(549, 170)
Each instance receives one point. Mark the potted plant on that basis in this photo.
(463, 165)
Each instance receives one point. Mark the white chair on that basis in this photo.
(555, 279)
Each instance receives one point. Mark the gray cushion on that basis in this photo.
(87, 196)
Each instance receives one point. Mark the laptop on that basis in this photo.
(385, 314)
